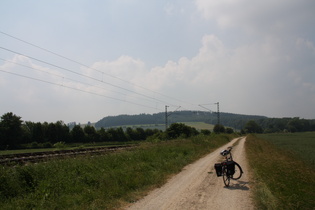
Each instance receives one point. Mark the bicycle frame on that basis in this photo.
(228, 158)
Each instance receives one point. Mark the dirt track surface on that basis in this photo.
(198, 187)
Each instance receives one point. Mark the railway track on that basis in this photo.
(34, 157)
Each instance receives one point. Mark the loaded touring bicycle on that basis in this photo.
(228, 169)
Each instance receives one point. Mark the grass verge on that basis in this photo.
(282, 180)
(100, 182)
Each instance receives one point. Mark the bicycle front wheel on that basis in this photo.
(226, 178)
(238, 172)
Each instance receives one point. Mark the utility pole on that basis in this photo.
(166, 117)
(218, 112)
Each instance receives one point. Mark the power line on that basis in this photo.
(74, 61)
(77, 89)
(218, 110)
(61, 76)
(83, 75)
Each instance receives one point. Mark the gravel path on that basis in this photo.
(198, 187)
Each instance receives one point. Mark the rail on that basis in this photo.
(34, 157)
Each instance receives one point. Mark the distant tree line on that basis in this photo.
(274, 125)
(15, 134)
(236, 121)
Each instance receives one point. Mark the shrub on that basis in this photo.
(60, 145)
(180, 130)
(219, 129)
(34, 144)
(47, 145)
(205, 132)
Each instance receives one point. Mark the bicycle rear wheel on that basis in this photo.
(226, 178)
(238, 172)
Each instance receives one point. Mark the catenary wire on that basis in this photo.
(83, 75)
(63, 77)
(61, 56)
(77, 89)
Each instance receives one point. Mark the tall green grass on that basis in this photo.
(282, 180)
(99, 182)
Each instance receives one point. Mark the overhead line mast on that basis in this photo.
(218, 110)
(167, 115)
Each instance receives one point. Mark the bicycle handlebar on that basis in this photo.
(226, 152)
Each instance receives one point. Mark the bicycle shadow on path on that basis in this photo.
(241, 185)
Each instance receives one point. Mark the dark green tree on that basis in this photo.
(51, 133)
(120, 135)
(252, 127)
(131, 134)
(10, 131)
(140, 134)
(219, 129)
(37, 131)
(117, 134)
(77, 134)
(104, 136)
(91, 134)
(63, 131)
(180, 130)
(298, 125)
(205, 132)
(229, 130)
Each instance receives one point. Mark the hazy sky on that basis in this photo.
(82, 60)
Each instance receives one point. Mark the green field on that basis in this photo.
(197, 125)
(200, 125)
(103, 181)
(282, 169)
(301, 145)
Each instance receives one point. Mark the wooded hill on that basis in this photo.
(236, 121)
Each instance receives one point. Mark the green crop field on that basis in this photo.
(300, 144)
(200, 125)
(282, 167)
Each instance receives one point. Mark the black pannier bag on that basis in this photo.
(218, 169)
(230, 165)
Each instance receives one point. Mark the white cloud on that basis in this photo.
(258, 78)
(259, 17)
(254, 57)
(267, 78)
